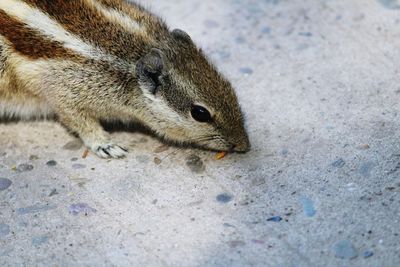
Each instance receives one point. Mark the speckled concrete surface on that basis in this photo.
(318, 81)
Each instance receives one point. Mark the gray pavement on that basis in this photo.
(319, 83)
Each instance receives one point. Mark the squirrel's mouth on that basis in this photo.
(217, 146)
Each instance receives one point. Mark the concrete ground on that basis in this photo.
(318, 81)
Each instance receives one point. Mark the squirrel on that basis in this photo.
(86, 61)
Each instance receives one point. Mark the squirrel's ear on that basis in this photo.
(180, 35)
(149, 70)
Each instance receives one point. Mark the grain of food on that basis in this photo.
(220, 155)
(85, 154)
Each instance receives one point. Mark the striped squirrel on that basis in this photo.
(85, 61)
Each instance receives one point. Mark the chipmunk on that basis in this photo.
(85, 61)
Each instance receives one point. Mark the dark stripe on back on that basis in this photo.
(29, 42)
(86, 22)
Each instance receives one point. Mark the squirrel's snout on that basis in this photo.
(242, 147)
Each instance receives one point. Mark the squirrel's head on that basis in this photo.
(187, 100)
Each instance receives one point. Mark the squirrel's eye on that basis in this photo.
(201, 114)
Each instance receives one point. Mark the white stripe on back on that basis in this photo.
(117, 17)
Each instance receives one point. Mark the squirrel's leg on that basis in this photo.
(93, 135)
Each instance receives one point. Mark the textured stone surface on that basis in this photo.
(318, 82)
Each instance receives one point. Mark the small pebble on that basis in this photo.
(195, 164)
(364, 147)
(368, 254)
(275, 219)
(51, 163)
(224, 198)
(285, 152)
(339, 163)
(24, 167)
(53, 192)
(308, 206)
(157, 161)
(33, 157)
(73, 145)
(74, 159)
(4, 230)
(78, 208)
(344, 249)
(4, 183)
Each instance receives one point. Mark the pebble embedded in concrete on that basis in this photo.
(24, 167)
(84, 208)
(5, 183)
(73, 145)
(368, 254)
(157, 161)
(33, 157)
(308, 206)
(224, 198)
(275, 219)
(344, 249)
(53, 192)
(4, 230)
(51, 163)
(195, 164)
(339, 163)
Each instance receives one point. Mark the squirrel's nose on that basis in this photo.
(242, 147)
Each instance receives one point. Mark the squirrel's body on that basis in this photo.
(91, 60)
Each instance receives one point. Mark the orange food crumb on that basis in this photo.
(85, 154)
(220, 155)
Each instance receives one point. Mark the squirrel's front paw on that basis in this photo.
(110, 151)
